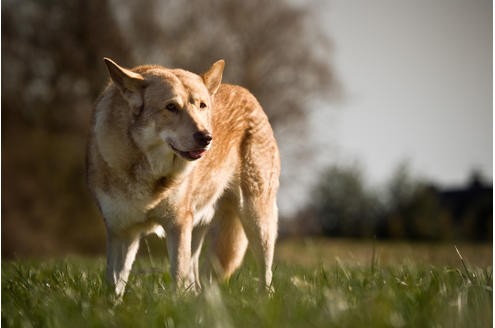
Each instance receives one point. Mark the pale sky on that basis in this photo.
(417, 77)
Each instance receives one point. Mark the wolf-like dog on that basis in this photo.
(174, 152)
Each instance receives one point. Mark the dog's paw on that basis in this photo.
(268, 290)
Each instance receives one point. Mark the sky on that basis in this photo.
(417, 81)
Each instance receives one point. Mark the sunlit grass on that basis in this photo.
(72, 293)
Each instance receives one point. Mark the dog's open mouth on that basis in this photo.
(190, 155)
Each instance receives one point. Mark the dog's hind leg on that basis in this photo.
(259, 184)
(259, 218)
(121, 252)
(229, 241)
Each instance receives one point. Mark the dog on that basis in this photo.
(172, 152)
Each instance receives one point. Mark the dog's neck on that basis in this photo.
(164, 162)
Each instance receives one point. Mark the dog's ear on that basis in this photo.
(213, 77)
(129, 83)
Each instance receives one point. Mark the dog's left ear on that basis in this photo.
(213, 77)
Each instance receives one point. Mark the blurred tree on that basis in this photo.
(52, 51)
(398, 194)
(400, 189)
(414, 209)
(343, 205)
(409, 208)
(471, 208)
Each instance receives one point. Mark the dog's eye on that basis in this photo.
(172, 107)
(202, 105)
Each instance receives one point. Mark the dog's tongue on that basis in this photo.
(196, 153)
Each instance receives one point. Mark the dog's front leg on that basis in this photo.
(179, 253)
(121, 252)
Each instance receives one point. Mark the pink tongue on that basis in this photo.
(196, 153)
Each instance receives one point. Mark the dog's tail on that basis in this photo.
(228, 246)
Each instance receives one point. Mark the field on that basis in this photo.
(318, 283)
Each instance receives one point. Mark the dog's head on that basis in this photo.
(171, 106)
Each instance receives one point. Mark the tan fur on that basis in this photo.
(143, 182)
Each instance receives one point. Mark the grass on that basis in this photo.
(72, 293)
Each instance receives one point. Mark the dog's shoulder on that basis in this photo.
(239, 104)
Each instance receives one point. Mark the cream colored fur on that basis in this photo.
(173, 151)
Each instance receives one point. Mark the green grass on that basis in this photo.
(72, 293)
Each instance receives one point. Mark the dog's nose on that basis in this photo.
(203, 138)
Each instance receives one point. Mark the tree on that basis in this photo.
(52, 51)
(414, 209)
(343, 205)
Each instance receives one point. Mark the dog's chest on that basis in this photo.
(155, 202)
(122, 211)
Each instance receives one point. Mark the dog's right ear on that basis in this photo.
(130, 84)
